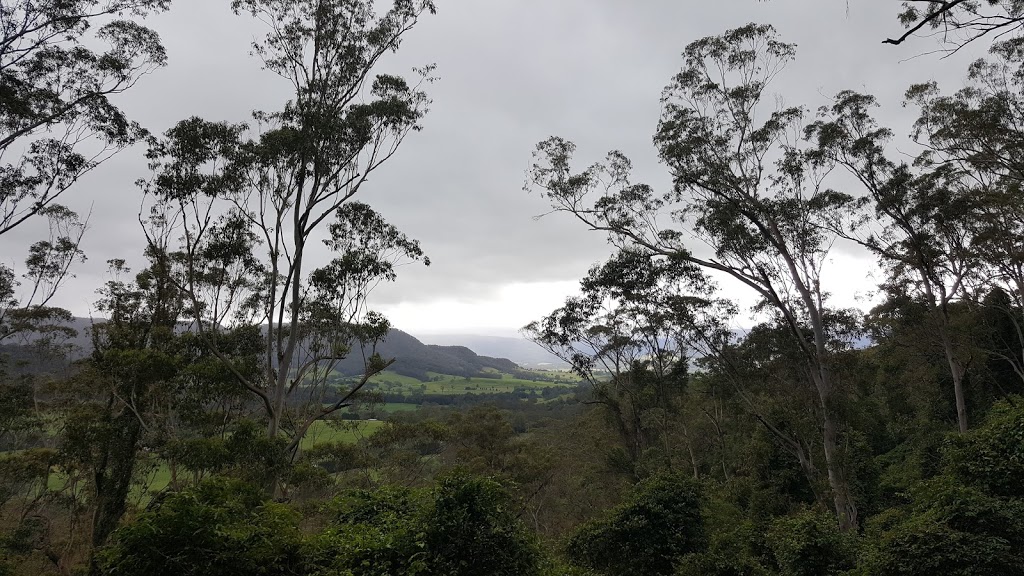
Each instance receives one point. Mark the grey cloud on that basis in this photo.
(512, 72)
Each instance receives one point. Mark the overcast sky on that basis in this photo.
(511, 73)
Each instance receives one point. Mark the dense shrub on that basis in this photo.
(647, 535)
(967, 521)
(947, 530)
(463, 526)
(991, 457)
(809, 543)
(222, 528)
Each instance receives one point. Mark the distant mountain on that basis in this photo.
(412, 357)
(455, 354)
(519, 350)
(415, 359)
(79, 343)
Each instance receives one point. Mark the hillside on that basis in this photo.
(413, 358)
(519, 350)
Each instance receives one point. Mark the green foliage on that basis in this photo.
(472, 528)
(735, 545)
(486, 444)
(809, 543)
(636, 319)
(373, 533)
(464, 526)
(991, 457)
(16, 413)
(947, 530)
(659, 523)
(223, 527)
(24, 471)
(198, 454)
(968, 520)
(63, 62)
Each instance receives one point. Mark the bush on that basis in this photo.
(809, 543)
(647, 535)
(947, 530)
(991, 457)
(735, 544)
(222, 528)
(969, 520)
(472, 528)
(464, 526)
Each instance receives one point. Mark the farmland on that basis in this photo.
(442, 384)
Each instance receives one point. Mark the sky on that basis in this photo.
(510, 73)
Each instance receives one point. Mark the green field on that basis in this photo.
(444, 384)
(392, 407)
(484, 385)
(339, 431)
(392, 378)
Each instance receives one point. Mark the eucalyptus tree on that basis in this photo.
(761, 377)
(979, 129)
(958, 23)
(57, 119)
(921, 221)
(743, 187)
(245, 207)
(631, 336)
(1002, 318)
(952, 219)
(25, 303)
(62, 64)
(131, 368)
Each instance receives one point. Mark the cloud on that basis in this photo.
(511, 73)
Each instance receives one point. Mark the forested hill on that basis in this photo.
(412, 357)
(416, 359)
(522, 351)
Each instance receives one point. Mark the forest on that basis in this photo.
(236, 406)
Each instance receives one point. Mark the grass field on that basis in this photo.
(484, 385)
(392, 378)
(343, 431)
(443, 384)
(392, 407)
(561, 375)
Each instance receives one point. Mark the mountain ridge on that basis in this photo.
(413, 357)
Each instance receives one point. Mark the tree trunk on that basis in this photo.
(692, 453)
(846, 509)
(811, 473)
(956, 371)
(113, 478)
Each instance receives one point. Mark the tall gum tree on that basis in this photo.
(61, 63)
(743, 187)
(979, 130)
(57, 121)
(243, 206)
(640, 320)
(919, 224)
